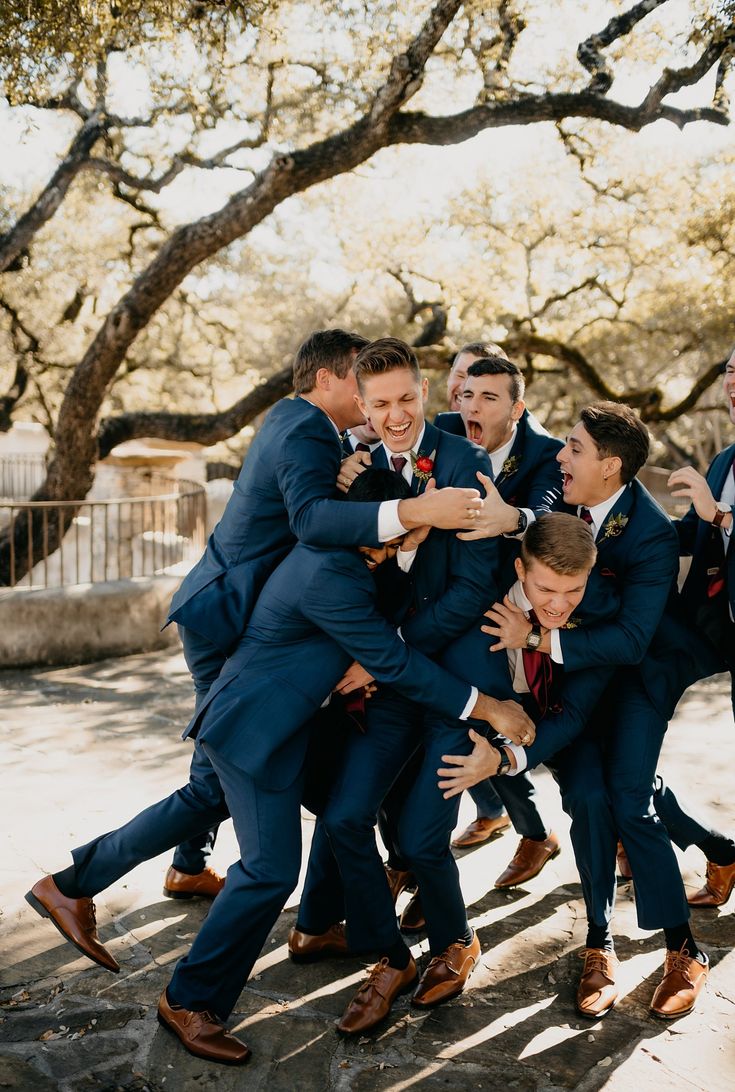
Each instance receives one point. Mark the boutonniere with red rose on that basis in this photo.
(423, 465)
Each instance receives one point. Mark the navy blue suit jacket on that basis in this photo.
(533, 478)
(637, 560)
(285, 491)
(316, 613)
(694, 537)
(451, 582)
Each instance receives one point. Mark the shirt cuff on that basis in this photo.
(556, 653)
(389, 525)
(519, 754)
(530, 518)
(405, 559)
(472, 702)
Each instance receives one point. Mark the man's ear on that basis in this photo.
(424, 389)
(517, 411)
(323, 379)
(613, 465)
(361, 405)
(520, 569)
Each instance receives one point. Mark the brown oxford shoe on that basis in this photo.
(624, 869)
(412, 918)
(180, 885)
(529, 859)
(597, 991)
(447, 974)
(74, 918)
(720, 880)
(683, 980)
(306, 948)
(201, 1034)
(481, 830)
(373, 1000)
(398, 881)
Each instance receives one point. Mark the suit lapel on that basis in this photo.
(426, 449)
(514, 457)
(613, 525)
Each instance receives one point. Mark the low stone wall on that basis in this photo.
(85, 622)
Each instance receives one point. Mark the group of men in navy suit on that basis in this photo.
(478, 569)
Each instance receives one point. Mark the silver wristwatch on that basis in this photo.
(534, 638)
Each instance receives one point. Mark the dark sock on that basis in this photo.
(66, 883)
(398, 955)
(537, 837)
(599, 936)
(310, 932)
(681, 937)
(467, 938)
(718, 849)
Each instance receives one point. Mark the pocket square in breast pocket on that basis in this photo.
(607, 572)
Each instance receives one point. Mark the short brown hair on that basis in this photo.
(500, 365)
(385, 355)
(616, 430)
(563, 542)
(480, 348)
(331, 349)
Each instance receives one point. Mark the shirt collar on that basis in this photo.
(498, 457)
(519, 598)
(354, 441)
(600, 511)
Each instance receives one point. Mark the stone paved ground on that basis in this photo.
(86, 747)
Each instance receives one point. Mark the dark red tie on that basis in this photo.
(586, 515)
(362, 447)
(398, 461)
(539, 670)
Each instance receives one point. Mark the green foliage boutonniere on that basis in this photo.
(423, 466)
(614, 526)
(510, 465)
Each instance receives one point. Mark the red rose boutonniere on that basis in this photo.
(423, 466)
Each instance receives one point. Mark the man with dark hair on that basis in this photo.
(445, 592)
(606, 778)
(285, 492)
(316, 612)
(465, 356)
(527, 476)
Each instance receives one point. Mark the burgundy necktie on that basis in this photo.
(586, 515)
(362, 447)
(398, 461)
(539, 671)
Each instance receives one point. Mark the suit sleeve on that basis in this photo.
(545, 485)
(342, 604)
(307, 471)
(644, 590)
(686, 530)
(580, 694)
(472, 581)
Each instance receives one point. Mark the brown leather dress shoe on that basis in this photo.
(205, 885)
(717, 888)
(481, 830)
(624, 869)
(202, 1034)
(74, 918)
(412, 918)
(398, 881)
(305, 948)
(529, 859)
(447, 974)
(683, 980)
(597, 992)
(373, 1000)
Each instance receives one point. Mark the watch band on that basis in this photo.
(534, 638)
(504, 761)
(720, 514)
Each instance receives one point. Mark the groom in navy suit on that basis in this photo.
(285, 492)
(315, 614)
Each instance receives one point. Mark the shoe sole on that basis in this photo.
(447, 997)
(595, 1015)
(519, 883)
(40, 909)
(316, 957)
(188, 895)
(673, 1015)
(379, 1023)
(198, 1054)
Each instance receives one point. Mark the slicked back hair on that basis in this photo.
(563, 542)
(385, 355)
(500, 365)
(616, 430)
(331, 349)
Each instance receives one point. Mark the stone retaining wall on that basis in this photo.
(85, 622)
